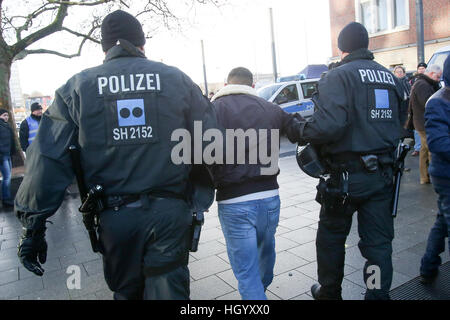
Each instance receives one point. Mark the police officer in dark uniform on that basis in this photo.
(356, 128)
(121, 116)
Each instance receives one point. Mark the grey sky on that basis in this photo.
(237, 34)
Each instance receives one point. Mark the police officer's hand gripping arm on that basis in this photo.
(331, 120)
(48, 174)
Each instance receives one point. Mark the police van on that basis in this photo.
(292, 96)
(439, 58)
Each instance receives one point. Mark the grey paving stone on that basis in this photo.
(282, 244)
(48, 294)
(104, 295)
(60, 250)
(21, 287)
(398, 279)
(90, 296)
(304, 197)
(82, 246)
(208, 249)
(287, 287)
(292, 211)
(296, 223)
(351, 291)
(354, 258)
(311, 270)
(314, 226)
(10, 236)
(286, 261)
(356, 277)
(230, 296)
(271, 295)
(89, 285)
(210, 222)
(8, 253)
(224, 257)
(6, 264)
(288, 203)
(311, 205)
(94, 267)
(313, 215)
(206, 267)
(57, 279)
(78, 258)
(301, 236)
(281, 230)
(8, 244)
(305, 251)
(304, 296)
(229, 278)
(9, 276)
(210, 234)
(399, 245)
(419, 248)
(209, 288)
(48, 266)
(407, 263)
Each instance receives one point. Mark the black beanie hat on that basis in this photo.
(422, 64)
(35, 106)
(121, 25)
(2, 111)
(354, 36)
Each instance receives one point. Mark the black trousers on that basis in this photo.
(371, 196)
(142, 248)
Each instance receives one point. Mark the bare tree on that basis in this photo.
(25, 23)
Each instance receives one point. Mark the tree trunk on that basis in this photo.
(5, 103)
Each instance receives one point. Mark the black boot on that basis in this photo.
(427, 280)
(318, 294)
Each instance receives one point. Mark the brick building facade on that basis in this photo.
(392, 27)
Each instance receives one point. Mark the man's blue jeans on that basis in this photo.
(417, 143)
(249, 229)
(441, 229)
(5, 169)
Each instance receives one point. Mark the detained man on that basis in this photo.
(247, 193)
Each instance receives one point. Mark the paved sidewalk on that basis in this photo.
(211, 274)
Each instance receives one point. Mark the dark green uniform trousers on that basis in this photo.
(371, 196)
(145, 250)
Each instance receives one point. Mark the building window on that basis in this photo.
(380, 16)
(401, 12)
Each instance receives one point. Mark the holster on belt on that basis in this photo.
(332, 194)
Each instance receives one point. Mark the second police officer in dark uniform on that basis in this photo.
(356, 127)
(121, 115)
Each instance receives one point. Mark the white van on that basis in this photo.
(439, 58)
(292, 96)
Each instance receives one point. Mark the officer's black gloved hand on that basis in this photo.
(32, 246)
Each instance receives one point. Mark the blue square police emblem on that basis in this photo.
(131, 112)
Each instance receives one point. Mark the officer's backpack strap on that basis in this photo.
(156, 271)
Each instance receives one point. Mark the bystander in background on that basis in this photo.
(437, 127)
(7, 149)
(30, 126)
(421, 67)
(424, 87)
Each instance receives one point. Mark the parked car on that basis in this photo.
(292, 96)
(439, 57)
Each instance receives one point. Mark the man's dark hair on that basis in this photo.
(240, 75)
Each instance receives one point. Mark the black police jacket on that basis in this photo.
(122, 115)
(357, 108)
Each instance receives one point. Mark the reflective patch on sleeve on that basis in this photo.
(131, 120)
